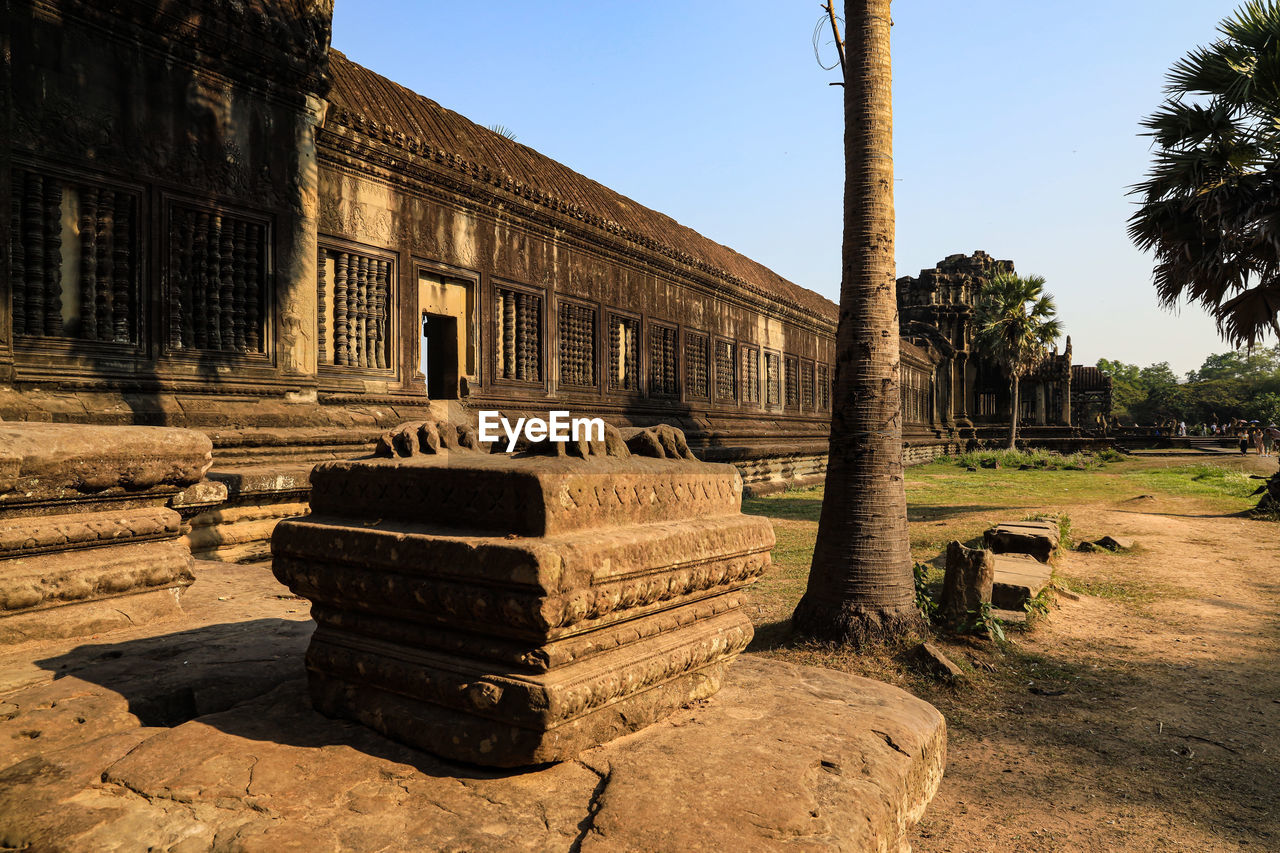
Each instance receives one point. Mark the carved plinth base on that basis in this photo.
(86, 542)
(614, 600)
(465, 709)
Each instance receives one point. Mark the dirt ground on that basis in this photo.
(1143, 718)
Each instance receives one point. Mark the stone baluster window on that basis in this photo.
(792, 382)
(750, 375)
(664, 365)
(353, 293)
(624, 353)
(726, 361)
(697, 354)
(824, 388)
(74, 254)
(773, 379)
(576, 325)
(518, 347)
(217, 281)
(806, 385)
(917, 405)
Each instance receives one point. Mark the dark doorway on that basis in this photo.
(440, 355)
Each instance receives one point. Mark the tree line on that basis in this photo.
(1240, 385)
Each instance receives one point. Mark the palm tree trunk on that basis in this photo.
(1013, 419)
(860, 583)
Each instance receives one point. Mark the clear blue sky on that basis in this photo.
(1016, 128)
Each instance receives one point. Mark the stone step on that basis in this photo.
(1037, 538)
(1018, 579)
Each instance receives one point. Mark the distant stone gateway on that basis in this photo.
(515, 610)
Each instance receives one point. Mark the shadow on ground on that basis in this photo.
(245, 679)
(808, 509)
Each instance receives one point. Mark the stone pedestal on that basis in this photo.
(509, 611)
(87, 542)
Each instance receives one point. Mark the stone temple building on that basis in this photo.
(216, 221)
(957, 392)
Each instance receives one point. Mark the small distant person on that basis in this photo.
(1270, 438)
(1182, 429)
(1256, 435)
(1244, 442)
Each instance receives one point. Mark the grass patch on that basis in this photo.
(1042, 460)
(1199, 480)
(1123, 590)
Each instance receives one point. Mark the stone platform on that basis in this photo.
(196, 734)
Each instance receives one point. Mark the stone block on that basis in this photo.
(510, 611)
(1037, 538)
(1018, 578)
(61, 464)
(86, 541)
(931, 660)
(966, 584)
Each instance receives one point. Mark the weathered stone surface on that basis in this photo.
(51, 463)
(484, 492)
(967, 583)
(1037, 538)
(611, 603)
(199, 496)
(782, 756)
(1018, 579)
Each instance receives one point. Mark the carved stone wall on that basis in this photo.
(160, 186)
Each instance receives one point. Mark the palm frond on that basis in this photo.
(1209, 207)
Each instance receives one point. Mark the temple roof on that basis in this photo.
(372, 99)
(1088, 378)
